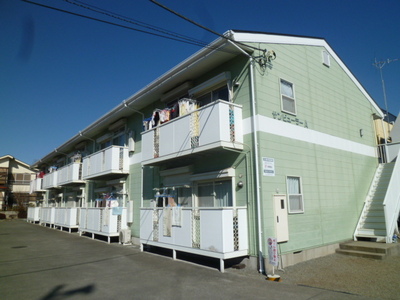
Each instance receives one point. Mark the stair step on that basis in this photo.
(369, 247)
(370, 232)
(374, 226)
(375, 214)
(371, 219)
(378, 256)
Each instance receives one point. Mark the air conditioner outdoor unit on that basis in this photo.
(125, 236)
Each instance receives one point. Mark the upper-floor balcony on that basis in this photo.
(50, 180)
(216, 125)
(113, 160)
(37, 185)
(71, 173)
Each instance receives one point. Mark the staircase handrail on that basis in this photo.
(391, 204)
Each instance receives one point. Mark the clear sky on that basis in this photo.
(60, 72)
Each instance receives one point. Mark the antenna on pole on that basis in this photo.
(380, 65)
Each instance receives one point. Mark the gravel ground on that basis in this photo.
(378, 279)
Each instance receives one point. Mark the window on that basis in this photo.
(117, 138)
(287, 97)
(184, 196)
(221, 93)
(294, 190)
(215, 194)
(21, 178)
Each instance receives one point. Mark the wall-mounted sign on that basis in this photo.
(289, 119)
(268, 166)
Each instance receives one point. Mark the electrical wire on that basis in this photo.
(111, 23)
(133, 21)
(183, 40)
(205, 28)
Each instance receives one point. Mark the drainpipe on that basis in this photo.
(127, 106)
(94, 142)
(256, 160)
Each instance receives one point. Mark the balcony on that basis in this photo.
(47, 216)
(33, 214)
(66, 217)
(216, 125)
(50, 180)
(103, 221)
(71, 173)
(113, 160)
(36, 185)
(214, 232)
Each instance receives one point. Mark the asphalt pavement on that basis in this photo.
(41, 263)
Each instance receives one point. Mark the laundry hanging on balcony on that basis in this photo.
(161, 116)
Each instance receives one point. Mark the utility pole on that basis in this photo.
(380, 65)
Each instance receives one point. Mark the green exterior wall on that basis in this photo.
(334, 182)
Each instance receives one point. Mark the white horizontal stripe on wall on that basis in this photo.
(280, 128)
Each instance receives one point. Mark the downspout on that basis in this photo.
(261, 268)
(94, 142)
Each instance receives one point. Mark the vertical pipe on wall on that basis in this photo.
(261, 268)
(256, 166)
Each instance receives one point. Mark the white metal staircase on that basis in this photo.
(372, 220)
(378, 220)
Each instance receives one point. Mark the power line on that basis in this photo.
(111, 23)
(183, 40)
(133, 21)
(205, 28)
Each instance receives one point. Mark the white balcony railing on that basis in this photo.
(215, 125)
(103, 221)
(71, 173)
(111, 160)
(50, 180)
(47, 215)
(33, 214)
(66, 217)
(214, 232)
(36, 185)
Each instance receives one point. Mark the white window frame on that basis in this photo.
(222, 175)
(215, 83)
(287, 97)
(291, 210)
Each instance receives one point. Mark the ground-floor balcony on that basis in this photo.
(66, 217)
(33, 214)
(71, 173)
(104, 221)
(214, 232)
(113, 160)
(50, 180)
(47, 216)
(216, 125)
(36, 185)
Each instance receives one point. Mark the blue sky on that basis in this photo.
(59, 72)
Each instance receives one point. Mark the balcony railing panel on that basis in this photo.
(50, 180)
(71, 173)
(67, 217)
(36, 185)
(215, 232)
(103, 221)
(218, 124)
(47, 215)
(112, 160)
(33, 214)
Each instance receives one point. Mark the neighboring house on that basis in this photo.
(15, 179)
(256, 136)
